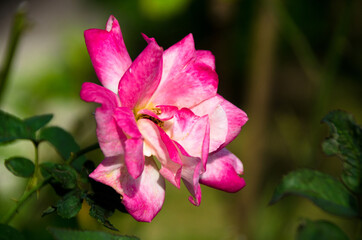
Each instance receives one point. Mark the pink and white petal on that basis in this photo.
(223, 169)
(142, 78)
(191, 171)
(108, 53)
(186, 79)
(192, 133)
(166, 112)
(206, 57)
(236, 119)
(157, 143)
(177, 57)
(134, 157)
(160, 112)
(127, 122)
(110, 139)
(108, 172)
(143, 197)
(187, 87)
(217, 119)
(92, 92)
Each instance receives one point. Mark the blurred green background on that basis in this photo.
(286, 63)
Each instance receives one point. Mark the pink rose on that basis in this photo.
(165, 105)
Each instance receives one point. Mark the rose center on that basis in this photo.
(153, 119)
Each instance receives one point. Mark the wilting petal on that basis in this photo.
(161, 146)
(108, 172)
(222, 172)
(109, 138)
(134, 157)
(192, 133)
(186, 80)
(108, 53)
(143, 197)
(142, 78)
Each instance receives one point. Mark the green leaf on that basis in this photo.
(70, 204)
(20, 166)
(9, 233)
(345, 142)
(63, 142)
(319, 230)
(63, 174)
(101, 213)
(13, 128)
(322, 189)
(65, 234)
(38, 122)
(48, 211)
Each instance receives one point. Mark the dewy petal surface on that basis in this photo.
(186, 80)
(108, 53)
(109, 138)
(222, 172)
(142, 78)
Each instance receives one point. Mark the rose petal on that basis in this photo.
(191, 171)
(206, 57)
(108, 172)
(143, 197)
(226, 120)
(134, 157)
(160, 145)
(217, 119)
(108, 53)
(186, 80)
(192, 133)
(109, 138)
(142, 78)
(223, 169)
(236, 119)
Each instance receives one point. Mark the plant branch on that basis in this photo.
(81, 152)
(37, 186)
(19, 25)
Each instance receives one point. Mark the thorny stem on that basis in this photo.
(37, 186)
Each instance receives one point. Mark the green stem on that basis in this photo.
(74, 156)
(36, 187)
(7, 217)
(19, 25)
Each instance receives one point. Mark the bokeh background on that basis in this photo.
(286, 63)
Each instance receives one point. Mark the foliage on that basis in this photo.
(69, 178)
(337, 197)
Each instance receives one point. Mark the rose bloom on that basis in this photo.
(164, 105)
